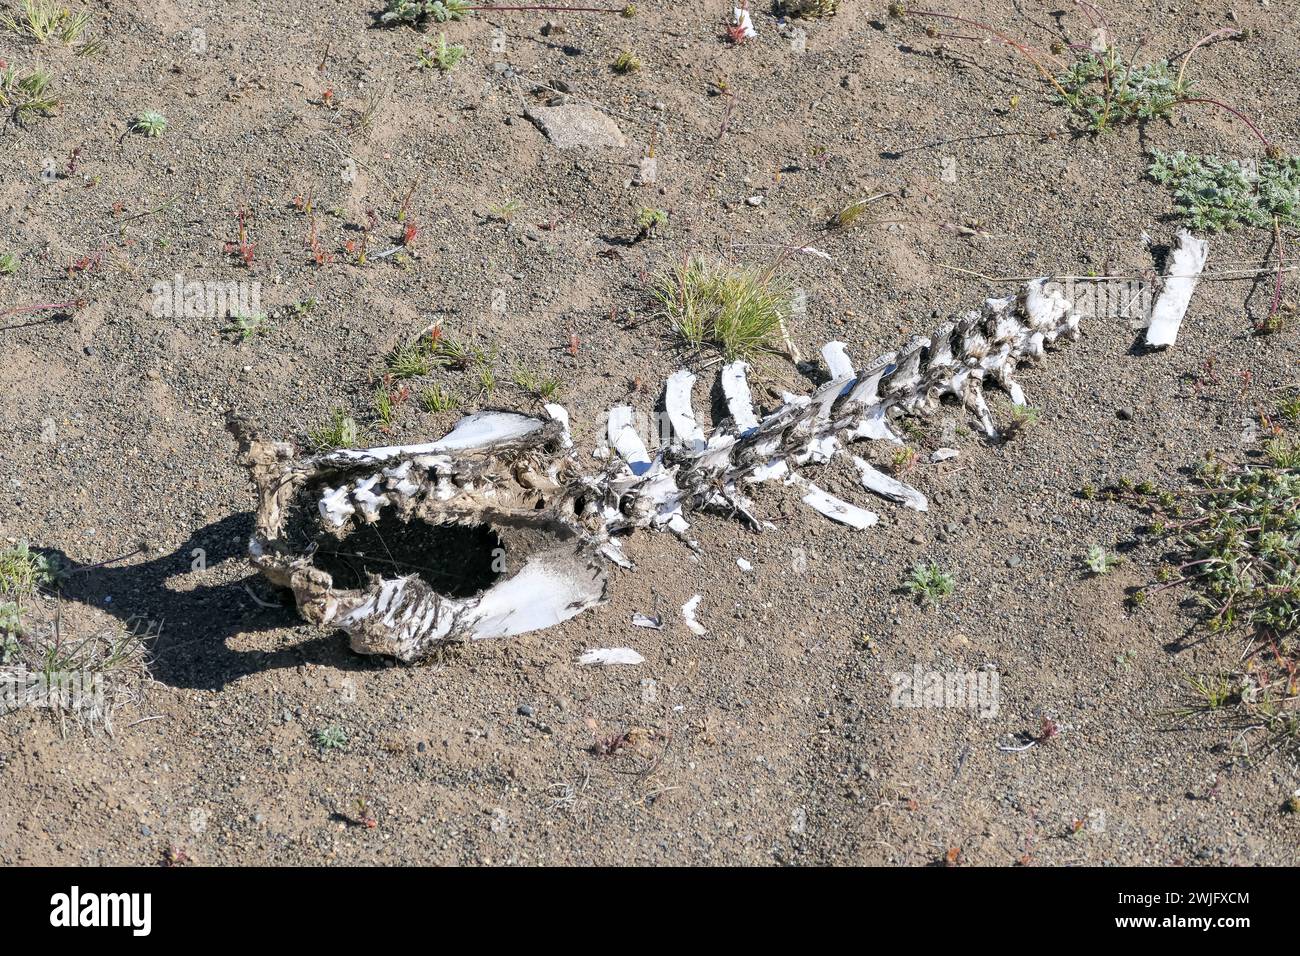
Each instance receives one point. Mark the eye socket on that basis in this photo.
(455, 560)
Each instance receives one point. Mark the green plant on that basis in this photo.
(1211, 692)
(626, 62)
(384, 407)
(1238, 545)
(332, 737)
(245, 327)
(340, 432)
(1100, 561)
(1103, 92)
(442, 56)
(1283, 453)
(850, 215)
(806, 8)
(1214, 194)
(506, 211)
(8, 263)
(1022, 416)
(648, 219)
(741, 312)
(27, 94)
(45, 20)
(409, 361)
(23, 571)
(534, 384)
(438, 399)
(11, 626)
(1289, 409)
(929, 583)
(151, 123)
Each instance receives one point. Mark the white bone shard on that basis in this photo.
(889, 487)
(835, 508)
(837, 360)
(622, 437)
(611, 655)
(561, 415)
(645, 620)
(1186, 264)
(688, 615)
(681, 410)
(740, 404)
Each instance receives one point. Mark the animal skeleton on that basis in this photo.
(518, 475)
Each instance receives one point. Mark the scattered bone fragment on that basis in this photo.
(944, 454)
(735, 387)
(744, 565)
(889, 487)
(645, 620)
(1183, 272)
(835, 508)
(608, 656)
(623, 438)
(688, 615)
(837, 360)
(681, 411)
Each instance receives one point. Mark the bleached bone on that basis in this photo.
(1181, 275)
(611, 655)
(688, 615)
(518, 475)
(681, 410)
(739, 402)
(888, 487)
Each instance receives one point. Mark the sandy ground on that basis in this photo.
(772, 739)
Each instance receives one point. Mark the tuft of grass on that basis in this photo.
(45, 20)
(410, 361)
(150, 123)
(339, 432)
(541, 388)
(1214, 194)
(8, 263)
(1211, 693)
(438, 399)
(626, 62)
(332, 737)
(929, 583)
(1100, 561)
(26, 94)
(850, 215)
(384, 407)
(741, 312)
(442, 56)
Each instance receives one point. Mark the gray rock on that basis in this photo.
(576, 125)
